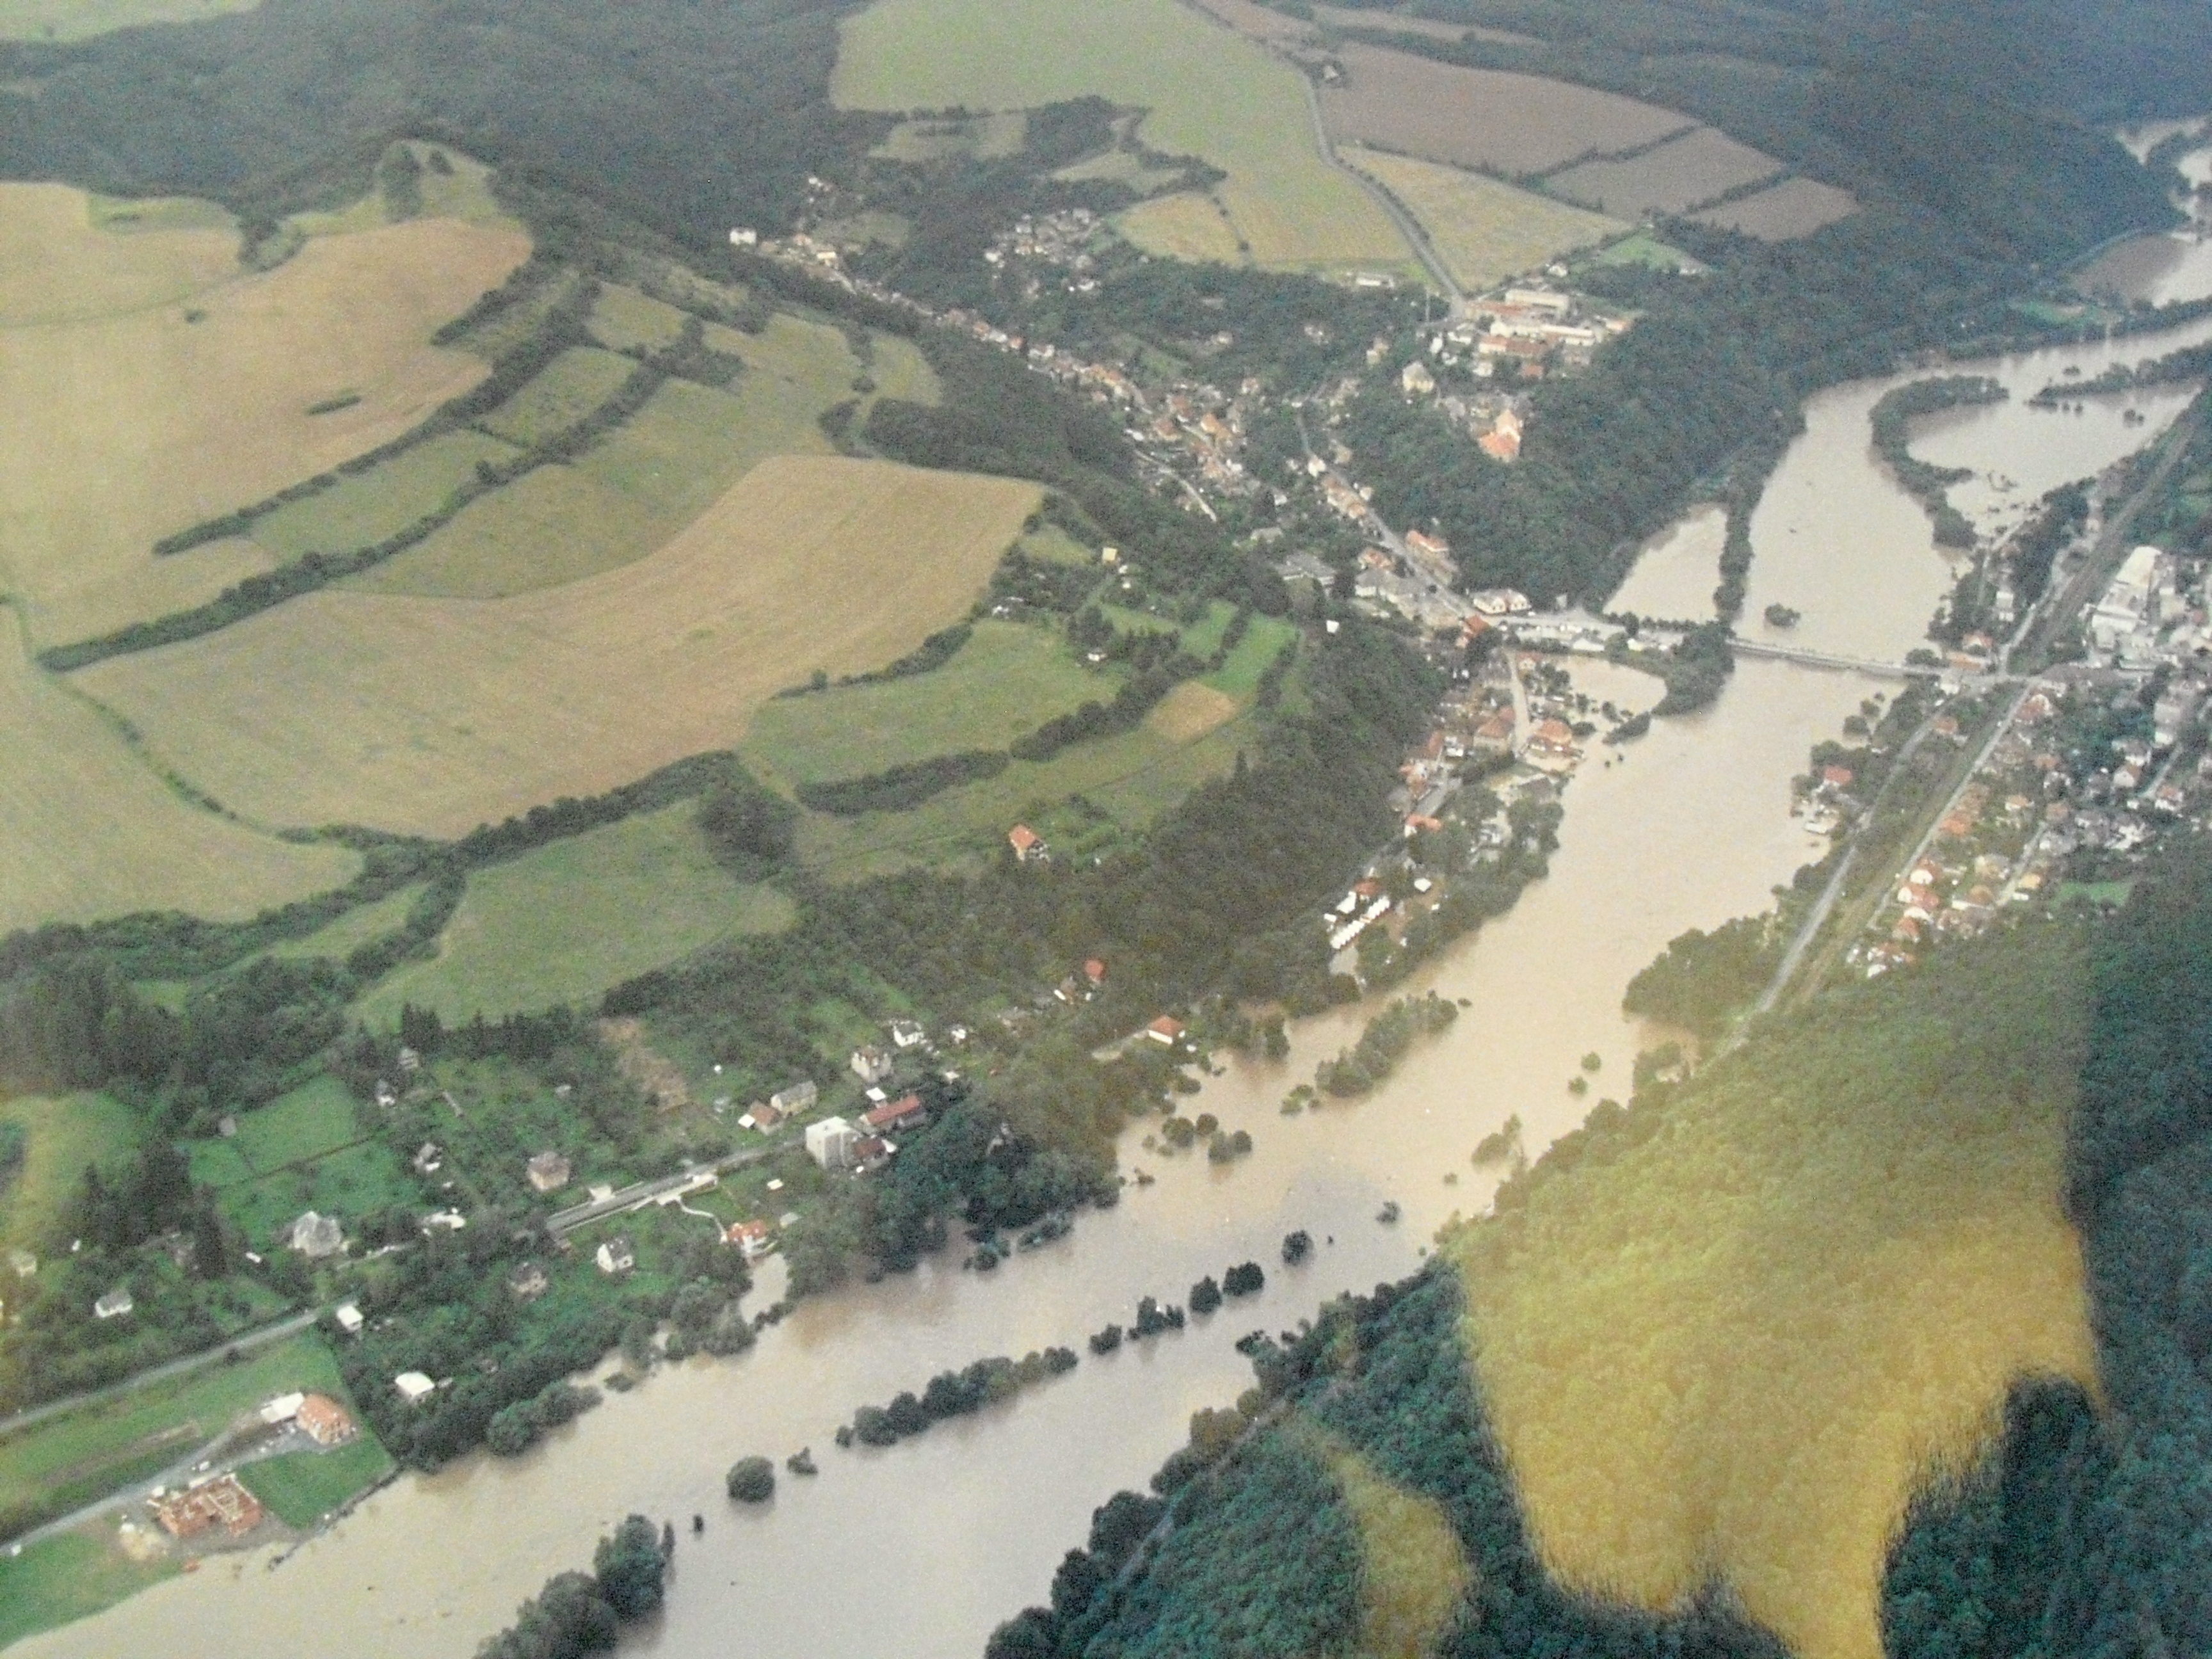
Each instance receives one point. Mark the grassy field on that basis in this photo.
(568, 388)
(66, 1132)
(1082, 798)
(301, 1487)
(297, 1128)
(1209, 92)
(1483, 231)
(563, 923)
(656, 473)
(164, 386)
(79, 20)
(433, 716)
(1192, 225)
(1794, 208)
(303, 1150)
(986, 137)
(623, 318)
(1672, 178)
(367, 507)
(87, 830)
(1486, 119)
(63, 1579)
(1644, 249)
(82, 1453)
(1734, 1351)
(1008, 679)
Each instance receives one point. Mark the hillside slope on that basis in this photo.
(1679, 1395)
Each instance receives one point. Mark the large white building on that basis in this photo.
(830, 1142)
(2123, 624)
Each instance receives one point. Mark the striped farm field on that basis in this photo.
(1483, 231)
(1681, 174)
(87, 830)
(432, 716)
(1207, 90)
(1794, 208)
(146, 384)
(1486, 119)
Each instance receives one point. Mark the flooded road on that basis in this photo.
(924, 1545)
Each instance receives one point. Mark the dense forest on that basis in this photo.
(2082, 1532)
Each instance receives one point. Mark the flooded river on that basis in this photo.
(923, 1546)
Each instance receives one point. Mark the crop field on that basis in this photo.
(1192, 225)
(657, 473)
(431, 716)
(1209, 93)
(1483, 231)
(1735, 1350)
(63, 1133)
(1009, 679)
(1794, 208)
(366, 506)
(1486, 119)
(80, 19)
(568, 388)
(162, 386)
(564, 922)
(88, 829)
(1673, 178)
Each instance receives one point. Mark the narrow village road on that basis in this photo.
(244, 1343)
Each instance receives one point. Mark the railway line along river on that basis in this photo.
(939, 1537)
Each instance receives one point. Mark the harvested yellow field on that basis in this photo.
(1190, 711)
(1677, 176)
(1794, 208)
(87, 830)
(433, 715)
(146, 384)
(1736, 1349)
(1482, 230)
(1486, 119)
(78, 20)
(1190, 225)
(1205, 91)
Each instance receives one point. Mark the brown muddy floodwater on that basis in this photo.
(922, 1548)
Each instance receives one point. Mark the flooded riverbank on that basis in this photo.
(939, 1537)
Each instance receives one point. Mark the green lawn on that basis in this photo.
(348, 1184)
(84, 1454)
(1007, 680)
(66, 1132)
(1262, 642)
(1208, 92)
(563, 923)
(363, 509)
(1642, 249)
(568, 388)
(69, 1577)
(301, 1487)
(623, 318)
(309, 1121)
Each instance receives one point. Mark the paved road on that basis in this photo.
(242, 1343)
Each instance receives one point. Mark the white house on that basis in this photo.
(116, 1303)
(347, 1314)
(871, 1065)
(615, 1257)
(414, 1387)
(317, 1235)
(830, 1142)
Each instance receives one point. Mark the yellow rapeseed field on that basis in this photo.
(431, 715)
(146, 383)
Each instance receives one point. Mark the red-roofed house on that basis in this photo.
(906, 1112)
(1026, 842)
(1095, 971)
(1165, 1029)
(755, 1239)
(1836, 777)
